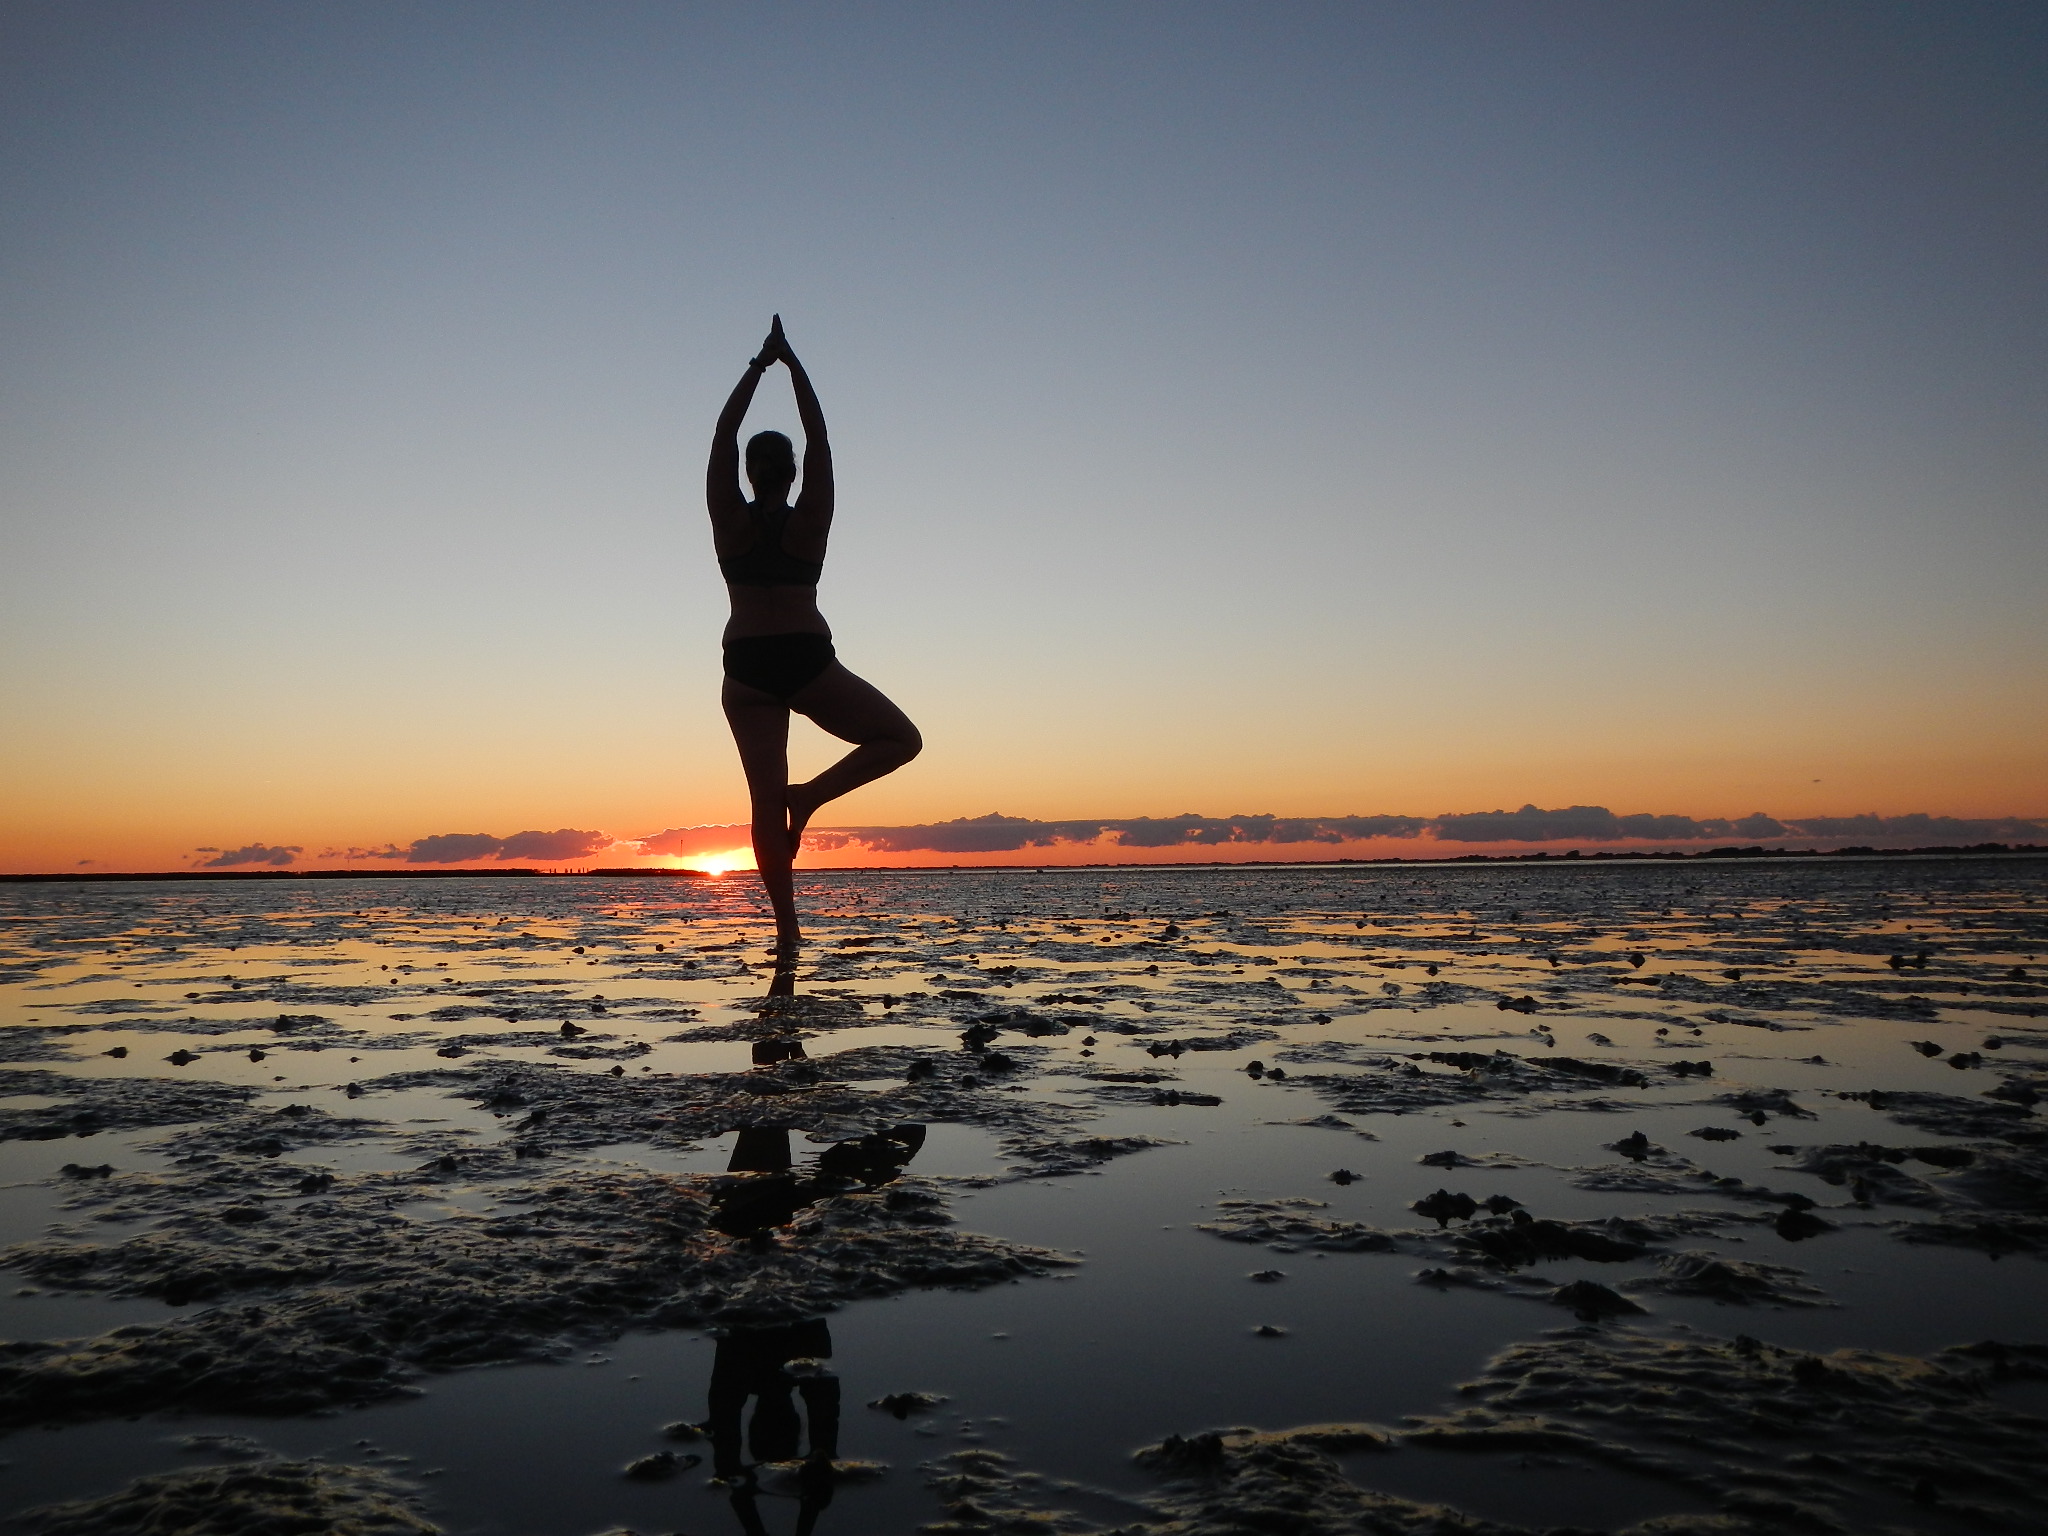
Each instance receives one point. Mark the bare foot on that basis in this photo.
(801, 809)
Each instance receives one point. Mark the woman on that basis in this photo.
(778, 648)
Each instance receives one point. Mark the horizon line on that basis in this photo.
(1542, 856)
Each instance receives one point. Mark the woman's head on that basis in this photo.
(771, 464)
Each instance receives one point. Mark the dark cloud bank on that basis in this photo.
(1570, 824)
(974, 835)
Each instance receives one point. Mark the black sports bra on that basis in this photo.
(765, 563)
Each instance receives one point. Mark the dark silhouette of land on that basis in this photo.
(1603, 855)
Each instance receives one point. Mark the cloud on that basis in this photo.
(1597, 824)
(557, 847)
(254, 853)
(554, 847)
(1572, 823)
(681, 842)
(452, 848)
(1757, 824)
(1928, 831)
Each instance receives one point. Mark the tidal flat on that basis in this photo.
(1655, 1197)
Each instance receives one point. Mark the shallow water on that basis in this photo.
(1798, 982)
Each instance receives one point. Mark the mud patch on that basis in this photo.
(1947, 1115)
(92, 1105)
(1221, 1483)
(27, 1042)
(1732, 1282)
(1505, 1242)
(320, 1288)
(337, 1300)
(259, 1499)
(1777, 1438)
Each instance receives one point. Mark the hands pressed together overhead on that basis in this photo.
(775, 349)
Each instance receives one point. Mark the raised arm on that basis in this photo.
(815, 501)
(724, 497)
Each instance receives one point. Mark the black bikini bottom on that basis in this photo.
(778, 664)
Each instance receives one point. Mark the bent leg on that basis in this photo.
(760, 728)
(859, 712)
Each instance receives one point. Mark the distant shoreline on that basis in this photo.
(1575, 856)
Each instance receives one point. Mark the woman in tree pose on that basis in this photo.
(778, 648)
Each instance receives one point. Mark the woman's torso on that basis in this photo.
(773, 586)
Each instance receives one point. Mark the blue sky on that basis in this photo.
(1301, 409)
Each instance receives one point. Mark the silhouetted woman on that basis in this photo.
(778, 648)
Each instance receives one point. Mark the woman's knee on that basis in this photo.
(899, 738)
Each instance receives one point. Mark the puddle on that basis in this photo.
(1521, 1489)
(49, 1315)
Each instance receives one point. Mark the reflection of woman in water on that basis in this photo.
(775, 1367)
(778, 648)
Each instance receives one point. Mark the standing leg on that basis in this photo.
(760, 728)
(859, 712)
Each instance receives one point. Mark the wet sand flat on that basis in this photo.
(1674, 1197)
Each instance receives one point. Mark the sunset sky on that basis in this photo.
(1311, 411)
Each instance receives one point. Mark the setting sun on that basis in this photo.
(721, 863)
